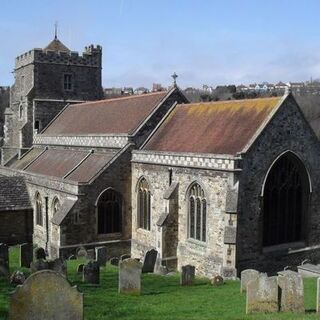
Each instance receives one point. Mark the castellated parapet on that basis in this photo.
(91, 57)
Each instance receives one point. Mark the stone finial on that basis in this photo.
(174, 77)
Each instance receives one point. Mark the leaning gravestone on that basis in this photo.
(187, 275)
(262, 294)
(130, 276)
(4, 260)
(91, 272)
(149, 261)
(39, 253)
(246, 276)
(101, 256)
(26, 254)
(58, 265)
(291, 291)
(46, 295)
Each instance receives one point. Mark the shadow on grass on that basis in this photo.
(311, 310)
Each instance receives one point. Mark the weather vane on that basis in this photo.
(174, 77)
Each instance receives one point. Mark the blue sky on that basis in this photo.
(204, 42)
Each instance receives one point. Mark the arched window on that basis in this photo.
(197, 213)
(55, 205)
(109, 212)
(39, 217)
(285, 201)
(144, 204)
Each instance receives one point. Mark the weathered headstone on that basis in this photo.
(187, 275)
(125, 256)
(46, 295)
(114, 261)
(58, 265)
(80, 268)
(149, 261)
(291, 291)
(26, 254)
(262, 294)
(82, 252)
(39, 253)
(217, 281)
(39, 265)
(246, 276)
(91, 272)
(4, 260)
(91, 254)
(101, 256)
(318, 295)
(130, 276)
(18, 277)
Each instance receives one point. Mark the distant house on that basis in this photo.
(156, 87)
(141, 90)
(242, 88)
(127, 91)
(280, 86)
(112, 92)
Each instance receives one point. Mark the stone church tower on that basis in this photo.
(46, 80)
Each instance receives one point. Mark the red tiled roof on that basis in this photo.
(121, 115)
(79, 166)
(214, 127)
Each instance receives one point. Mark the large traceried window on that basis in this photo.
(197, 213)
(109, 212)
(144, 204)
(39, 216)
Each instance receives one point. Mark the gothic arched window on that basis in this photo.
(39, 216)
(144, 204)
(109, 212)
(55, 205)
(285, 201)
(197, 213)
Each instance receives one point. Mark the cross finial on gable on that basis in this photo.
(174, 77)
(56, 30)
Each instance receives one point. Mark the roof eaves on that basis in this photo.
(263, 125)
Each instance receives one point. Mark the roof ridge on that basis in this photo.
(122, 98)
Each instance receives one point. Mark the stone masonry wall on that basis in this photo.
(288, 130)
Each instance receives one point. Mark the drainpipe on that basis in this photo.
(47, 225)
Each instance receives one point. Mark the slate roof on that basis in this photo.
(63, 211)
(56, 45)
(75, 165)
(111, 116)
(13, 194)
(216, 127)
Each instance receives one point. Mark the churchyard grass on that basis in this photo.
(162, 298)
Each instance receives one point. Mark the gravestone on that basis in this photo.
(46, 295)
(39, 265)
(318, 295)
(114, 261)
(101, 256)
(125, 256)
(91, 272)
(80, 267)
(291, 291)
(246, 276)
(39, 253)
(262, 294)
(26, 254)
(18, 277)
(91, 254)
(4, 260)
(187, 275)
(130, 276)
(217, 281)
(58, 265)
(82, 252)
(149, 261)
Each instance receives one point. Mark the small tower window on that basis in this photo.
(37, 126)
(20, 111)
(67, 82)
(22, 83)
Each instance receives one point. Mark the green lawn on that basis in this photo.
(162, 298)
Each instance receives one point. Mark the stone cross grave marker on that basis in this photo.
(291, 291)
(26, 254)
(4, 260)
(246, 276)
(130, 276)
(46, 295)
(91, 272)
(187, 275)
(149, 261)
(262, 294)
(101, 256)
